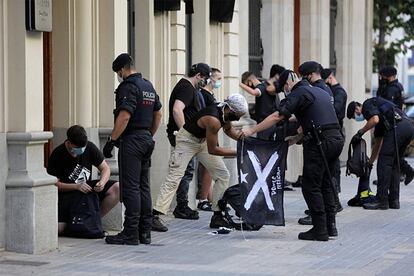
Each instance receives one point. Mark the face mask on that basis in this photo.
(232, 117)
(120, 79)
(202, 83)
(78, 151)
(217, 84)
(359, 118)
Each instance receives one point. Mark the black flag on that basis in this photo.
(261, 165)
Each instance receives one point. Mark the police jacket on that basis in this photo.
(322, 85)
(192, 125)
(311, 106)
(389, 114)
(340, 98)
(137, 96)
(393, 92)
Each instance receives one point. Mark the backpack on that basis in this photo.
(84, 217)
(357, 162)
(232, 196)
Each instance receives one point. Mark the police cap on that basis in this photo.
(325, 73)
(388, 71)
(350, 110)
(309, 67)
(121, 60)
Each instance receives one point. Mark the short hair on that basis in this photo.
(124, 60)
(245, 76)
(215, 70)
(76, 134)
(276, 69)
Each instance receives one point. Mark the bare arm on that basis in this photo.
(69, 187)
(370, 124)
(254, 92)
(212, 128)
(178, 113)
(231, 131)
(375, 149)
(105, 172)
(270, 120)
(156, 120)
(121, 123)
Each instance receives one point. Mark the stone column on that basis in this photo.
(201, 32)
(277, 34)
(31, 197)
(350, 47)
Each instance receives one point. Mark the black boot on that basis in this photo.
(305, 220)
(122, 238)
(331, 225)
(377, 205)
(409, 177)
(338, 206)
(394, 204)
(218, 220)
(313, 235)
(145, 237)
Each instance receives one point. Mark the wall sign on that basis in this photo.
(39, 15)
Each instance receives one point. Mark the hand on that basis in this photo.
(357, 137)
(99, 187)
(247, 132)
(84, 187)
(109, 146)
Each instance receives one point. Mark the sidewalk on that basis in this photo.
(369, 243)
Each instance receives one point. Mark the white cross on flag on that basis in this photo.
(261, 166)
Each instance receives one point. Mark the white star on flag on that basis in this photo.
(243, 177)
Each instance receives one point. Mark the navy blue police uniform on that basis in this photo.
(311, 106)
(391, 118)
(138, 97)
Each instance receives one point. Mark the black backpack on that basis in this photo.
(85, 217)
(358, 161)
(232, 196)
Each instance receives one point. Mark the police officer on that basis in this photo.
(311, 71)
(137, 117)
(340, 98)
(393, 132)
(316, 115)
(390, 89)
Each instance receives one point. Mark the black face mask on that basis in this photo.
(232, 117)
(383, 82)
(202, 83)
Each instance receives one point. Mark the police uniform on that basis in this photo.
(137, 96)
(392, 91)
(390, 118)
(311, 106)
(265, 104)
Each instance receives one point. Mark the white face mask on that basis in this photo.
(119, 78)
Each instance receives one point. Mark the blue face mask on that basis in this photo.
(78, 151)
(217, 84)
(359, 118)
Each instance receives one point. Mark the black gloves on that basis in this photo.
(357, 137)
(109, 146)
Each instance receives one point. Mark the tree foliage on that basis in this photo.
(388, 16)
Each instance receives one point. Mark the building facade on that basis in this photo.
(52, 80)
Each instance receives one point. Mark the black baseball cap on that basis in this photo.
(388, 71)
(201, 68)
(121, 60)
(309, 67)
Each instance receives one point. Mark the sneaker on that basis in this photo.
(355, 202)
(409, 177)
(185, 212)
(122, 238)
(157, 224)
(305, 220)
(218, 221)
(205, 206)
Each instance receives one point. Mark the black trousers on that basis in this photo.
(317, 187)
(388, 187)
(134, 160)
(363, 184)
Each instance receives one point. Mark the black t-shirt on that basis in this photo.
(192, 125)
(340, 98)
(69, 169)
(185, 92)
(265, 103)
(209, 98)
